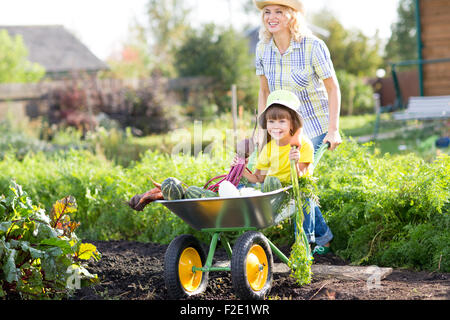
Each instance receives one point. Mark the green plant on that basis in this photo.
(374, 202)
(14, 64)
(40, 255)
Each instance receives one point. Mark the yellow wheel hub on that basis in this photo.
(189, 279)
(257, 267)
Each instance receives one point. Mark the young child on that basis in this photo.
(281, 120)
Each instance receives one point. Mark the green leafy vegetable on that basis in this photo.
(38, 252)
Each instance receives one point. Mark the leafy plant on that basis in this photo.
(300, 260)
(14, 64)
(40, 255)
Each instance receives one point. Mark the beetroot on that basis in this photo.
(243, 150)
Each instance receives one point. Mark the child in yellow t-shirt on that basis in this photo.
(281, 120)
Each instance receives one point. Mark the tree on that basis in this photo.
(134, 59)
(402, 44)
(167, 28)
(220, 54)
(14, 64)
(350, 50)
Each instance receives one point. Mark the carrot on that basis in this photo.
(139, 201)
(295, 139)
(157, 185)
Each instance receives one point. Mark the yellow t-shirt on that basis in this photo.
(275, 159)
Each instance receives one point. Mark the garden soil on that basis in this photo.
(135, 271)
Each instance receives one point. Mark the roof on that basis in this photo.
(56, 49)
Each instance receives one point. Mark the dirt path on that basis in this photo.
(134, 271)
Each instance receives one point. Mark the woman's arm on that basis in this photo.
(263, 93)
(334, 106)
(262, 100)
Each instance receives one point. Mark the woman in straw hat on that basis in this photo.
(289, 57)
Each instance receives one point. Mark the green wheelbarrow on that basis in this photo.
(187, 265)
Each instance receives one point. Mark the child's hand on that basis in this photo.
(235, 160)
(294, 154)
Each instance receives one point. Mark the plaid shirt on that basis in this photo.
(301, 70)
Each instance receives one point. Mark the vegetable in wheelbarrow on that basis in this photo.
(172, 189)
(271, 183)
(243, 150)
(194, 192)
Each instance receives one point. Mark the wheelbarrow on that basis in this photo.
(187, 265)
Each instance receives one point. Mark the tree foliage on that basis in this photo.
(14, 65)
(222, 54)
(402, 44)
(168, 23)
(350, 50)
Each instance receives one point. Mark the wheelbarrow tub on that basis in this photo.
(256, 211)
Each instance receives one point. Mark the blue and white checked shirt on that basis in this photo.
(301, 70)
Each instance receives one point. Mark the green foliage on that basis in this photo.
(222, 55)
(350, 50)
(356, 96)
(382, 209)
(40, 255)
(14, 66)
(402, 44)
(168, 24)
(374, 202)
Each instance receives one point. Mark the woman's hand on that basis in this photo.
(294, 154)
(334, 138)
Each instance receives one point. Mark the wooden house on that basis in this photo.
(433, 32)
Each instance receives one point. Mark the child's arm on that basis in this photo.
(257, 176)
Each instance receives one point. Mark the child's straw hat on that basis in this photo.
(285, 98)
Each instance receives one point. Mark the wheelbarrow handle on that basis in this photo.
(323, 147)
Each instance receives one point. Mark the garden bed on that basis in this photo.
(135, 271)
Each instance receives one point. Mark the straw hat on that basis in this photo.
(285, 98)
(294, 4)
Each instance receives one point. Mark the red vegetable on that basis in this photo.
(156, 184)
(243, 150)
(295, 140)
(139, 201)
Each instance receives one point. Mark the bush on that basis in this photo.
(40, 255)
(356, 96)
(373, 204)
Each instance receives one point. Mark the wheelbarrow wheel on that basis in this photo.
(251, 266)
(184, 253)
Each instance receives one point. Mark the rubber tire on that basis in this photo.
(171, 260)
(239, 279)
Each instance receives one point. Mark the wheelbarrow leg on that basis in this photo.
(278, 252)
(212, 250)
(226, 245)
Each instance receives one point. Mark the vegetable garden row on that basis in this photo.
(385, 210)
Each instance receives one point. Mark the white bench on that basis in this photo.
(435, 107)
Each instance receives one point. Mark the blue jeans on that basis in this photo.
(314, 225)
